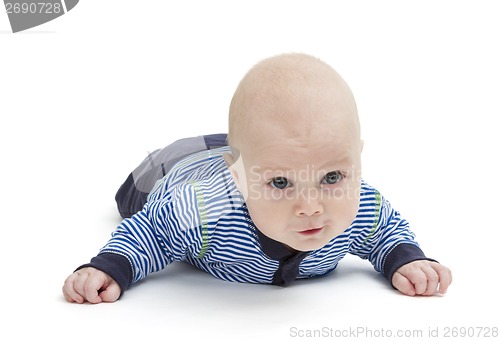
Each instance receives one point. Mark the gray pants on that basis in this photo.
(133, 193)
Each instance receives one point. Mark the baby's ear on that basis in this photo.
(235, 165)
(230, 161)
(229, 158)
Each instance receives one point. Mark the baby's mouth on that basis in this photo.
(312, 231)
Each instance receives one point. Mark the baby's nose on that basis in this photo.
(308, 206)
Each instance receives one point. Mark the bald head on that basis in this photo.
(294, 94)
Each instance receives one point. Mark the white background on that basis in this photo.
(84, 98)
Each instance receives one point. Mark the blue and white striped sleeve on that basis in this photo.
(165, 230)
(391, 243)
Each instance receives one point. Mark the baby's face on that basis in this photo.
(303, 190)
(295, 124)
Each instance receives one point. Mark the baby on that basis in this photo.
(283, 200)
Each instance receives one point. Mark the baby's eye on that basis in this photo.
(332, 178)
(279, 183)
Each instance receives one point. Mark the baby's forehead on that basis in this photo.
(294, 94)
(287, 151)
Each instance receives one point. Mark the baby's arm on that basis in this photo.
(392, 249)
(90, 285)
(142, 244)
(422, 277)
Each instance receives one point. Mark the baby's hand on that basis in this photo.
(422, 277)
(91, 285)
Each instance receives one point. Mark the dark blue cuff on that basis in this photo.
(115, 265)
(401, 255)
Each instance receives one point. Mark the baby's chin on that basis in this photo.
(307, 246)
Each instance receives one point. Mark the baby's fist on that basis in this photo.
(91, 285)
(422, 277)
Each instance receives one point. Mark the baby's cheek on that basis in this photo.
(262, 213)
(346, 211)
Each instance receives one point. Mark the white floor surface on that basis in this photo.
(85, 97)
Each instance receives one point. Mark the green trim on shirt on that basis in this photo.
(203, 218)
(378, 204)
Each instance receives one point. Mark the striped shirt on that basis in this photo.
(197, 215)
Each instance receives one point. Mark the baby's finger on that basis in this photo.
(402, 283)
(111, 293)
(445, 277)
(69, 291)
(92, 286)
(419, 280)
(432, 280)
(79, 286)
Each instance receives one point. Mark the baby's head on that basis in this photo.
(294, 132)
